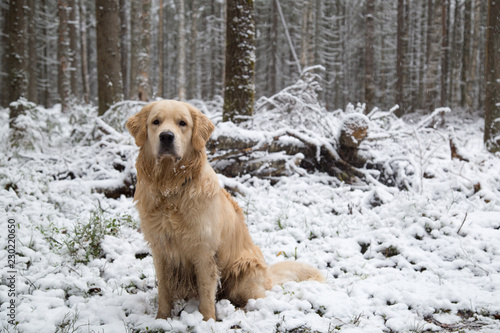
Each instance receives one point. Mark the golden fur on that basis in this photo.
(200, 242)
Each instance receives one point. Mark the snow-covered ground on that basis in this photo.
(420, 256)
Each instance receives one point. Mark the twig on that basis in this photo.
(465, 218)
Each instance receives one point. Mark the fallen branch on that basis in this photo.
(465, 218)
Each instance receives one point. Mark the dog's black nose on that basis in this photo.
(167, 137)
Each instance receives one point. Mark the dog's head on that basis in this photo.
(170, 129)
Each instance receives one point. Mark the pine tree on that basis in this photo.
(492, 79)
(433, 56)
(16, 55)
(474, 79)
(124, 41)
(161, 68)
(143, 82)
(401, 59)
(369, 83)
(135, 46)
(63, 78)
(181, 43)
(32, 59)
(444, 53)
(466, 53)
(239, 79)
(194, 62)
(83, 52)
(74, 54)
(108, 54)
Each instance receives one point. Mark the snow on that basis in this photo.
(422, 254)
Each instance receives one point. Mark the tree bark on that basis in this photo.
(305, 35)
(16, 55)
(369, 32)
(109, 77)
(464, 77)
(73, 49)
(473, 83)
(492, 79)
(161, 92)
(433, 60)
(181, 47)
(239, 78)
(32, 59)
(193, 61)
(213, 62)
(400, 62)
(273, 41)
(83, 52)
(455, 55)
(125, 42)
(135, 45)
(422, 57)
(63, 77)
(444, 53)
(143, 84)
(44, 94)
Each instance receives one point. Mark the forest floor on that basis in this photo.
(419, 256)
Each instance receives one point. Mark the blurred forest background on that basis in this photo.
(172, 47)
(417, 54)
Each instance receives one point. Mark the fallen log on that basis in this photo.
(265, 158)
(354, 130)
(281, 153)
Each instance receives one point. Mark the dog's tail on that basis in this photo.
(293, 271)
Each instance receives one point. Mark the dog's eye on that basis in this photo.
(156, 122)
(182, 123)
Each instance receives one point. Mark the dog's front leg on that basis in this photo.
(163, 275)
(207, 279)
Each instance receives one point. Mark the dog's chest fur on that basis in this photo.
(174, 222)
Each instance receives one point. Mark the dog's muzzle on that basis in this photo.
(167, 146)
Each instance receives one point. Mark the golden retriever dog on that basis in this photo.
(199, 240)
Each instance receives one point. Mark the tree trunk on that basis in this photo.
(32, 59)
(213, 63)
(125, 42)
(143, 85)
(63, 60)
(340, 56)
(44, 94)
(109, 77)
(305, 36)
(473, 82)
(369, 33)
(273, 61)
(423, 57)
(135, 34)
(161, 92)
(239, 78)
(433, 55)
(73, 49)
(83, 52)
(492, 79)
(464, 77)
(193, 60)
(444, 53)
(181, 47)
(400, 62)
(455, 56)
(16, 55)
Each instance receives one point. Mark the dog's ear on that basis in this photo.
(202, 128)
(136, 125)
